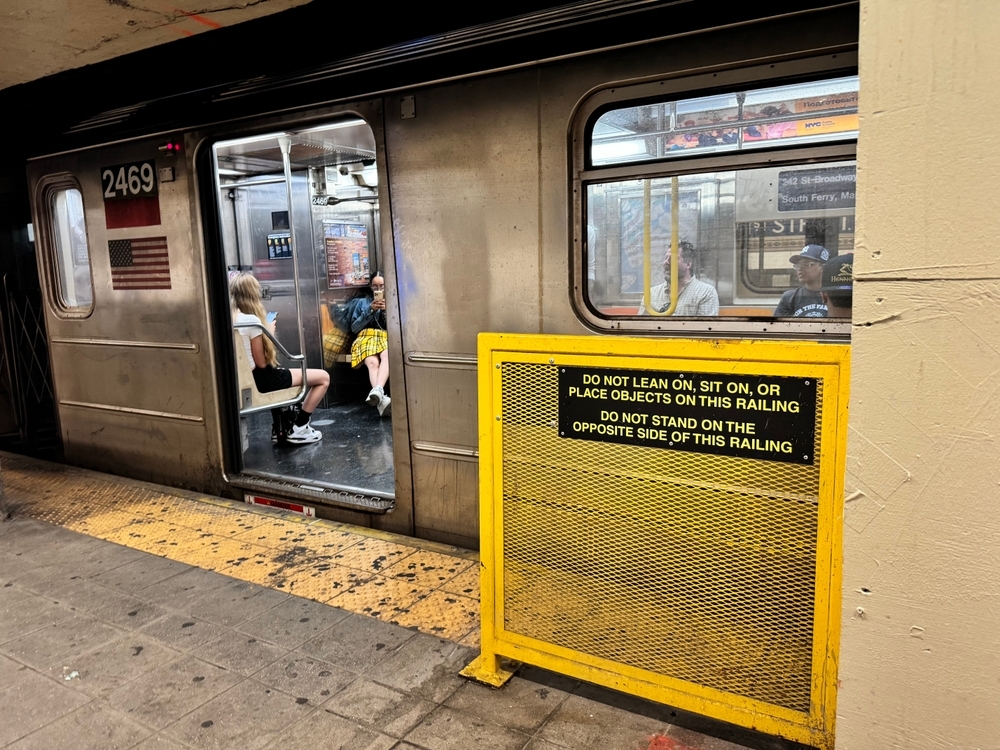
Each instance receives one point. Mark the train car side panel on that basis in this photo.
(464, 182)
(483, 220)
(133, 379)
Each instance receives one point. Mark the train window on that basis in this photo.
(737, 212)
(715, 210)
(763, 118)
(74, 287)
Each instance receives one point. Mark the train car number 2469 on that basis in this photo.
(136, 180)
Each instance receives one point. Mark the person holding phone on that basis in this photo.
(244, 291)
(371, 345)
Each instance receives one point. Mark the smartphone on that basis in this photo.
(379, 293)
(271, 317)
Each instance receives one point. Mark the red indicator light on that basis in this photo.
(170, 148)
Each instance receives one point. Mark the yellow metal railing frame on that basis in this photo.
(789, 359)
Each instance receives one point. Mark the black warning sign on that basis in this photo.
(816, 189)
(748, 416)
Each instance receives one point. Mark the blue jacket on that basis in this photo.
(358, 314)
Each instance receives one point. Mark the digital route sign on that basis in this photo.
(748, 416)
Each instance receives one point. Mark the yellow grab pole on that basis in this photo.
(646, 269)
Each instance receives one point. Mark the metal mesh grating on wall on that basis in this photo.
(693, 566)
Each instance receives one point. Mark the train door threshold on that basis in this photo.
(320, 493)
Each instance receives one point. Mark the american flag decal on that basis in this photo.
(140, 263)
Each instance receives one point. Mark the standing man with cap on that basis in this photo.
(838, 286)
(805, 301)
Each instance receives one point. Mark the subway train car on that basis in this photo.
(499, 179)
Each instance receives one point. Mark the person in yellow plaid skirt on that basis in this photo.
(370, 347)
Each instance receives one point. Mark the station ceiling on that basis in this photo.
(67, 65)
(43, 37)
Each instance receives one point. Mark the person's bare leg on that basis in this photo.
(384, 403)
(383, 368)
(372, 364)
(375, 395)
(318, 381)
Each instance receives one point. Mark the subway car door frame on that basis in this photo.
(217, 299)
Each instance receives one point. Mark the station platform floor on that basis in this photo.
(139, 616)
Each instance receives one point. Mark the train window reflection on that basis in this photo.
(737, 233)
(790, 115)
(72, 255)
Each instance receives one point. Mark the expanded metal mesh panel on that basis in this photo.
(697, 567)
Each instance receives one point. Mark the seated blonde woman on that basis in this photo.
(247, 308)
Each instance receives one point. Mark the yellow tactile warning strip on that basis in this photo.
(431, 587)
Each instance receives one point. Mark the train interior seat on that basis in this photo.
(250, 397)
(745, 311)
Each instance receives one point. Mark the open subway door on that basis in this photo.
(298, 210)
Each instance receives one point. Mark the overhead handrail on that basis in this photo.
(249, 183)
(300, 358)
(647, 273)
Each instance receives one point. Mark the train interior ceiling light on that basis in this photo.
(346, 145)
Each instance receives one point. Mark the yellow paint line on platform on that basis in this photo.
(325, 585)
(428, 569)
(372, 554)
(393, 578)
(465, 583)
(473, 639)
(380, 597)
(443, 614)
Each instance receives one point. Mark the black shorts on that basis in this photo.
(272, 378)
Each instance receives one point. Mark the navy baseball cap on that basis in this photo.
(838, 274)
(812, 252)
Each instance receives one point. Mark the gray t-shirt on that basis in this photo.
(800, 303)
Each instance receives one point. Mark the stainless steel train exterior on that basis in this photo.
(480, 225)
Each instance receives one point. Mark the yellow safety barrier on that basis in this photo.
(663, 517)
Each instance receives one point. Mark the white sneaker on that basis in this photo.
(375, 395)
(304, 434)
(384, 406)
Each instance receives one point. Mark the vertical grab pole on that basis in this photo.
(646, 262)
(647, 274)
(285, 144)
(674, 229)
